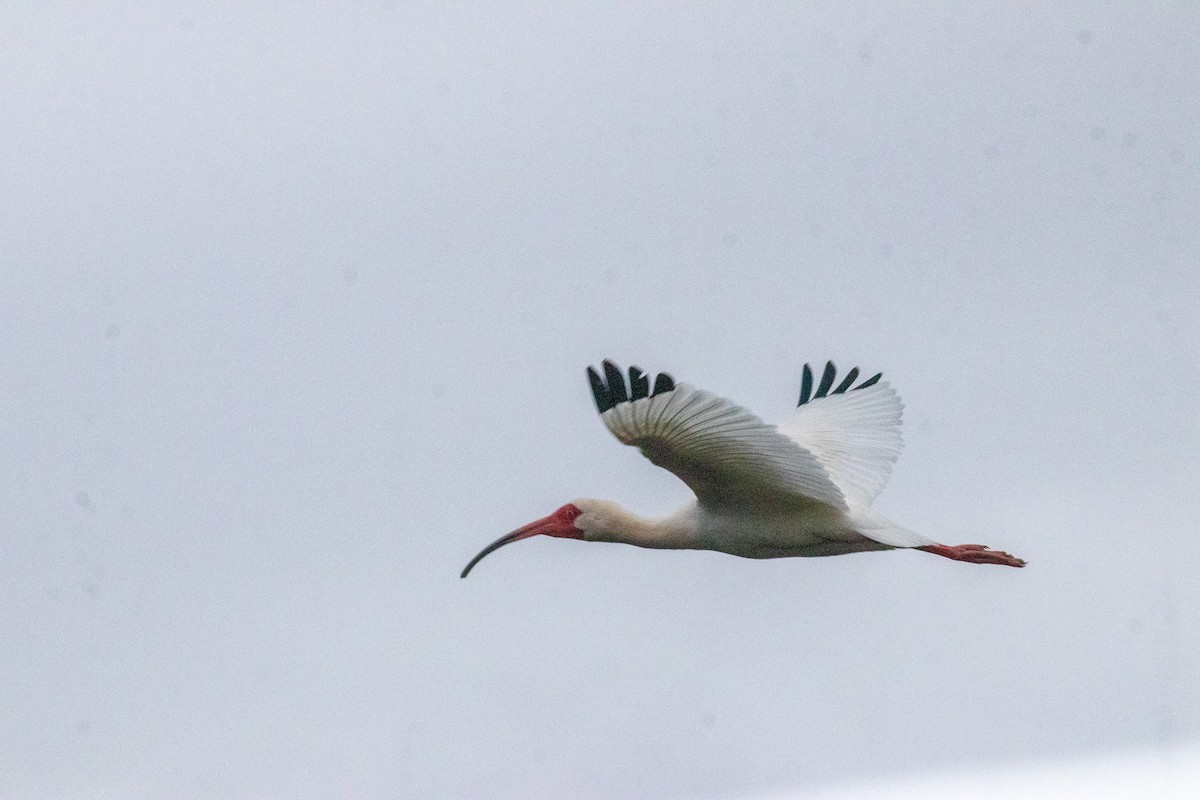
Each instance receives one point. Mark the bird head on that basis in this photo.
(562, 524)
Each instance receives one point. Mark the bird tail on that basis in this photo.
(879, 528)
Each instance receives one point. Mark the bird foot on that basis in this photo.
(974, 553)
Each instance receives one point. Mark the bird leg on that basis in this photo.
(974, 553)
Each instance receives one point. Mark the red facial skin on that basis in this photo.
(560, 524)
(563, 523)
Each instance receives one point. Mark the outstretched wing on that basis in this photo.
(726, 455)
(854, 431)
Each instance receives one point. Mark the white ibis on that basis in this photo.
(803, 488)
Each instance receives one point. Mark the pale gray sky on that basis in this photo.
(298, 302)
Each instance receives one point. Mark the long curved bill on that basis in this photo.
(532, 529)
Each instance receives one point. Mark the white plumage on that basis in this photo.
(855, 437)
(803, 488)
(726, 455)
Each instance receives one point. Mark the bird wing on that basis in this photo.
(729, 457)
(853, 432)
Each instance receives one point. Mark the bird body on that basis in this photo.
(762, 534)
(803, 488)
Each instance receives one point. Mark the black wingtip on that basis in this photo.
(826, 379)
(639, 384)
(616, 383)
(824, 389)
(869, 381)
(806, 386)
(846, 382)
(599, 391)
(609, 389)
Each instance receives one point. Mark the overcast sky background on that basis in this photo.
(296, 306)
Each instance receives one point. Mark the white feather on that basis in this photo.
(729, 457)
(855, 437)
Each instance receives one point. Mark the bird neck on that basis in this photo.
(673, 532)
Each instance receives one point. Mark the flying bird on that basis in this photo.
(802, 488)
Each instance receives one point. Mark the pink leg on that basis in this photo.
(974, 553)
